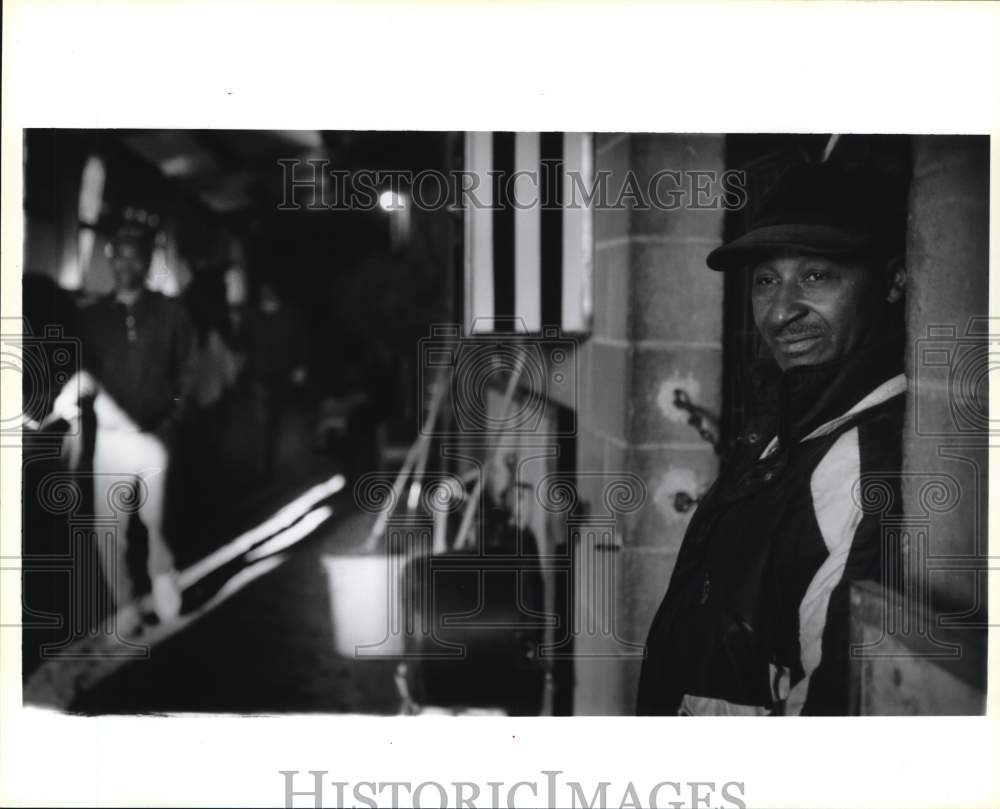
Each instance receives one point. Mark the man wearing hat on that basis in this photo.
(137, 349)
(755, 618)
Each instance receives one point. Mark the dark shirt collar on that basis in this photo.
(141, 302)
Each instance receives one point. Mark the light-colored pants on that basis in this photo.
(130, 471)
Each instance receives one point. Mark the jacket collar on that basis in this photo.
(141, 302)
(802, 401)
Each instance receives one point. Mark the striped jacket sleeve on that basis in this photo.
(853, 543)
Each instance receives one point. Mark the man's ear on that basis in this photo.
(896, 271)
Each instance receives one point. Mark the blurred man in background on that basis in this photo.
(276, 346)
(137, 351)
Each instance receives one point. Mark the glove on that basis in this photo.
(66, 405)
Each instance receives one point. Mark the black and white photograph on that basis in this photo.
(505, 428)
(527, 423)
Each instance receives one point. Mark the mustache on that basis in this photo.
(795, 330)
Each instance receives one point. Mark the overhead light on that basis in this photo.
(177, 166)
(391, 201)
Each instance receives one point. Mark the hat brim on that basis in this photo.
(809, 239)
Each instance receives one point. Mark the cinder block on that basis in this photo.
(665, 473)
(616, 457)
(674, 294)
(645, 575)
(589, 462)
(684, 202)
(600, 463)
(609, 222)
(611, 291)
(653, 151)
(608, 645)
(609, 387)
(589, 451)
(657, 374)
(616, 466)
(601, 687)
(679, 203)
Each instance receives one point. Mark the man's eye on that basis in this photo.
(818, 275)
(763, 281)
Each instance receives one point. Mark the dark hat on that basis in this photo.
(823, 208)
(130, 224)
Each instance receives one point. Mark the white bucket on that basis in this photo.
(365, 604)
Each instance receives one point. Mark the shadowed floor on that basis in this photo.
(256, 635)
(267, 648)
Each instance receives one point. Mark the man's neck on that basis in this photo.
(811, 395)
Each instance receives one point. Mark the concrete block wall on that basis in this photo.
(657, 326)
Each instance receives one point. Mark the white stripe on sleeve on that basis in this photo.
(838, 517)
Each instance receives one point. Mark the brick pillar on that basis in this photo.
(657, 327)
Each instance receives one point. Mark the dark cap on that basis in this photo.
(132, 232)
(825, 209)
(130, 224)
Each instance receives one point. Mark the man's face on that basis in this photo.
(129, 264)
(812, 309)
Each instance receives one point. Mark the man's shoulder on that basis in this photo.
(95, 309)
(91, 302)
(882, 420)
(880, 432)
(867, 446)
